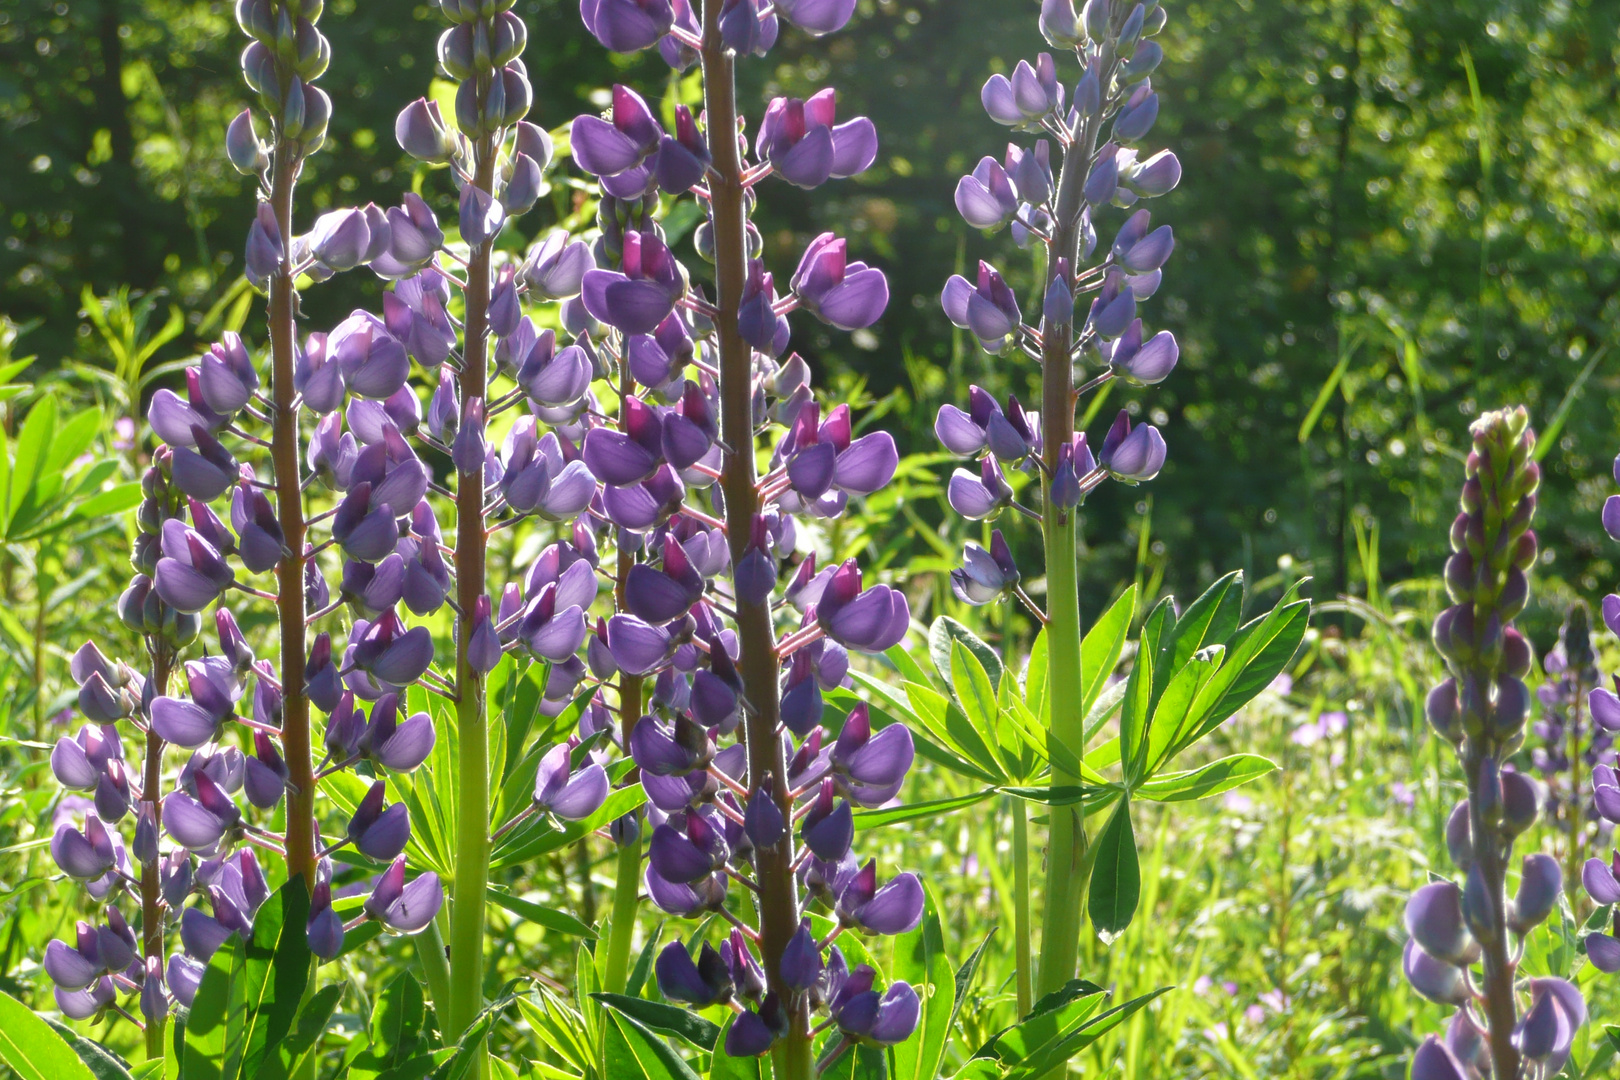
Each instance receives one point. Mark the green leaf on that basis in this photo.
(1173, 716)
(976, 694)
(1100, 650)
(1035, 678)
(943, 633)
(275, 971)
(33, 443)
(655, 1058)
(966, 975)
(664, 1018)
(314, 1019)
(397, 1020)
(1052, 1017)
(550, 918)
(1211, 779)
(32, 1049)
(857, 1063)
(872, 819)
(219, 991)
(1116, 878)
(102, 1062)
(725, 1067)
(1209, 620)
(1135, 712)
(644, 963)
(919, 959)
(1054, 1054)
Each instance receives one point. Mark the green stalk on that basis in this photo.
(466, 989)
(435, 966)
(627, 869)
(1021, 946)
(1068, 865)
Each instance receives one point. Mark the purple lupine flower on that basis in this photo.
(405, 908)
(987, 309)
(569, 794)
(805, 145)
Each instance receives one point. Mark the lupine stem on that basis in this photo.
(1021, 945)
(286, 459)
(472, 725)
(152, 937)
(778, 898)
(1066, 845)
(627, 869)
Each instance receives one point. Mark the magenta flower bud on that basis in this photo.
(1060, 25)
(869, 769)
(1435, 1061)
(1158, 175)
(1023, 100)
(1459, 841)
(870, 620)
(1599, 881)
(881, 1021)
(73, 968)
(571, 796)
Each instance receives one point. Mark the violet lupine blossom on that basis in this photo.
(196, 829)
(1574, 740)
(1601, 878)
(1097, 129)
(775, 806)
(1480, 709)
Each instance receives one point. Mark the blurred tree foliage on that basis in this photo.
(1395, 213)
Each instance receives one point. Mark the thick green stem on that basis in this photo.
(778, 900)
(472, 723)
(1066, 846)
(284, 453)
(435, 966)
(627, 870)
(1021, 948)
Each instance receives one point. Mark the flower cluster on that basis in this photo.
(1114, 95)
(703, 605)
(1574, 740)
(1600, 877)
(1481, 710)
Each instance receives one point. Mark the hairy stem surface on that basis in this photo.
(778, 900)
(472, 724)
(284, 453)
